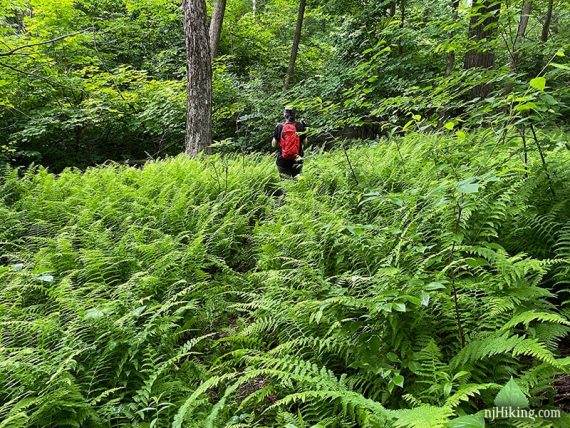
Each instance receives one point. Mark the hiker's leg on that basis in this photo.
(296, 169)
(284, 172)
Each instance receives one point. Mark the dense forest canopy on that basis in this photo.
(158, 270)
(84, 81)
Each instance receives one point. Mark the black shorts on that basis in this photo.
(289, 168)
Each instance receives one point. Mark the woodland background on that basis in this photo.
(114, 88)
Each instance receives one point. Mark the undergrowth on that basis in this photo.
(400, 283)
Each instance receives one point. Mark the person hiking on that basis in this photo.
(288, 140)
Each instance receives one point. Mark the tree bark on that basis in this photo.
(392, 9)
(521, 31)
(199, 70)
(547, 20)
(482, 28)
(216, 24)
(451, 54)
(296, 42)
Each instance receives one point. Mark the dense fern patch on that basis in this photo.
(402, 288)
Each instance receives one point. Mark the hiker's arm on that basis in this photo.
(276, 134)
(304, 139)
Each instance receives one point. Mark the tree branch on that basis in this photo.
(51, 82)
(45, 42)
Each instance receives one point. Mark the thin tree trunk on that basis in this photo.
(521, 31)
(216, 24)
(451, 55)
(296, 42)
(482, 29)
(199, 67)
(402, 21)
(254, 7)
(547, 20)
(554, 24)
(392, 9)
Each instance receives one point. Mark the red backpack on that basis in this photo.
(290, 142)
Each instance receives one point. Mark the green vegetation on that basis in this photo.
(415, 274)
(401, 283)
(114, 89)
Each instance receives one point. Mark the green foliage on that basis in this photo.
(115, 87)
(403, 289)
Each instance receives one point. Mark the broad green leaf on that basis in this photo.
(538, 83)
(434, 286)
(449, 125)
(511, 396)
(392, 357)
(398, 380)
(526, 106)
(467, 186)
(461, 135)
(400, 307)
(468, 421)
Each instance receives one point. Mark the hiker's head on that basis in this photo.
(290, 113)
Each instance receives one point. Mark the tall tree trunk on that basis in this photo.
(402, 22)
(451, 54)
(199, 66)
(216, 24)
(254, 7)
(482, 29)
(521, 31)
(392, 9)
(296, 41)
(547, 20)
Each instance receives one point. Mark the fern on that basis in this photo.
(169, 296)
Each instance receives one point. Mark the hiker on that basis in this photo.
(288, 139)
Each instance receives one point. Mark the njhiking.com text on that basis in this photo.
(518, 413)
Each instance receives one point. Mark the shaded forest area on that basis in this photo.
(85, 81)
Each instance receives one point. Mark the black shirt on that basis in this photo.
(301, 130)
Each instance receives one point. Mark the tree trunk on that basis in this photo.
(402, 22)
(521, 31)
(451, 55)
(555, 21)
(547, 20)
(199, 69)
(296, 41)
(392, 9)
(482, 29)
(216, 24)
(254, 7)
